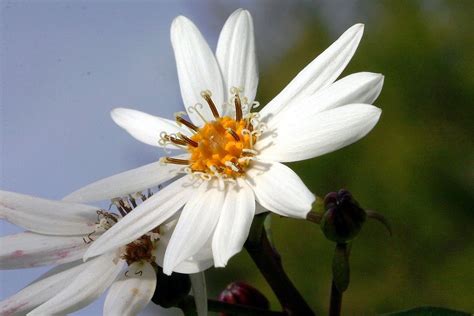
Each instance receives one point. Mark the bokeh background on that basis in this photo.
(66, 64)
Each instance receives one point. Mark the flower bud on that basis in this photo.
(243, 294)
(343, 218)
(170, 289)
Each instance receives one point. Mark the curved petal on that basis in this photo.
(199, 262)
(146, 216)
(195, 225)
(234, 223)
(280, 190)
(321, 72)
(130, 293)
(198, 284)
(299, 138)
(236, 54)
(197, 69)
(27, 250)
(85, 288)
(128, 182)
(144, 127)
(41, 290)
(362, 87)
(47, 216)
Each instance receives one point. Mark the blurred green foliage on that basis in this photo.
(416, 167)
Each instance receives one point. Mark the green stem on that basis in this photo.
(268, 262)
(335, 304)
(340, 278)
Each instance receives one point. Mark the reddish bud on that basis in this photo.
(243, 294)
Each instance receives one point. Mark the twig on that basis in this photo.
(268, 262)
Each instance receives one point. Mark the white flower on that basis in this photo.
(233, 157)
(59, 233)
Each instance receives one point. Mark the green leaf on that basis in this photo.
(428, 311)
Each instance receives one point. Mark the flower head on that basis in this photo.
(60, 232)
(232, 161)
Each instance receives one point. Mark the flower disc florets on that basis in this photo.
(141, 249)
(222, 147)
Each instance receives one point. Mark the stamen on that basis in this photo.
(132, 201)
(194, 108)
(175, 140)
(125, 205)
(207, 96)
(238, 106)
(233, 133)
(250, 151)
(182, 121)
(116, 202)
(254, 105)
(163, 140)
(245, 160)
(188, 140)
(176, 161)
(246, 131)
(234, 167)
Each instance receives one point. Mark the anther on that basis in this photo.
(188, 140)
(181, 120)
(238, 107)
(234, 134)
(207, 96)
(175, 140)
(176, 161)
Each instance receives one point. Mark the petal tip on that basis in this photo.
(359, 26)
(180, 21)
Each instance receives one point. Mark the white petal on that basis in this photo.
(130, 293)
(197, 263)
(321, 72)
(298, 138)
(362, 87)
(27, 250)
(195, 225)
(41, 290)
(198, 283)
(197, 68)
(146, 216)
(131, 181)
(47, 216)
(144, 127)
(280, 190)
(85, 288)
(236, 54)
(234, 223)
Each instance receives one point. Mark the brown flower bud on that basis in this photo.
(243, 294)
(343, 218)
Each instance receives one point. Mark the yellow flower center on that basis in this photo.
(220, 148)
